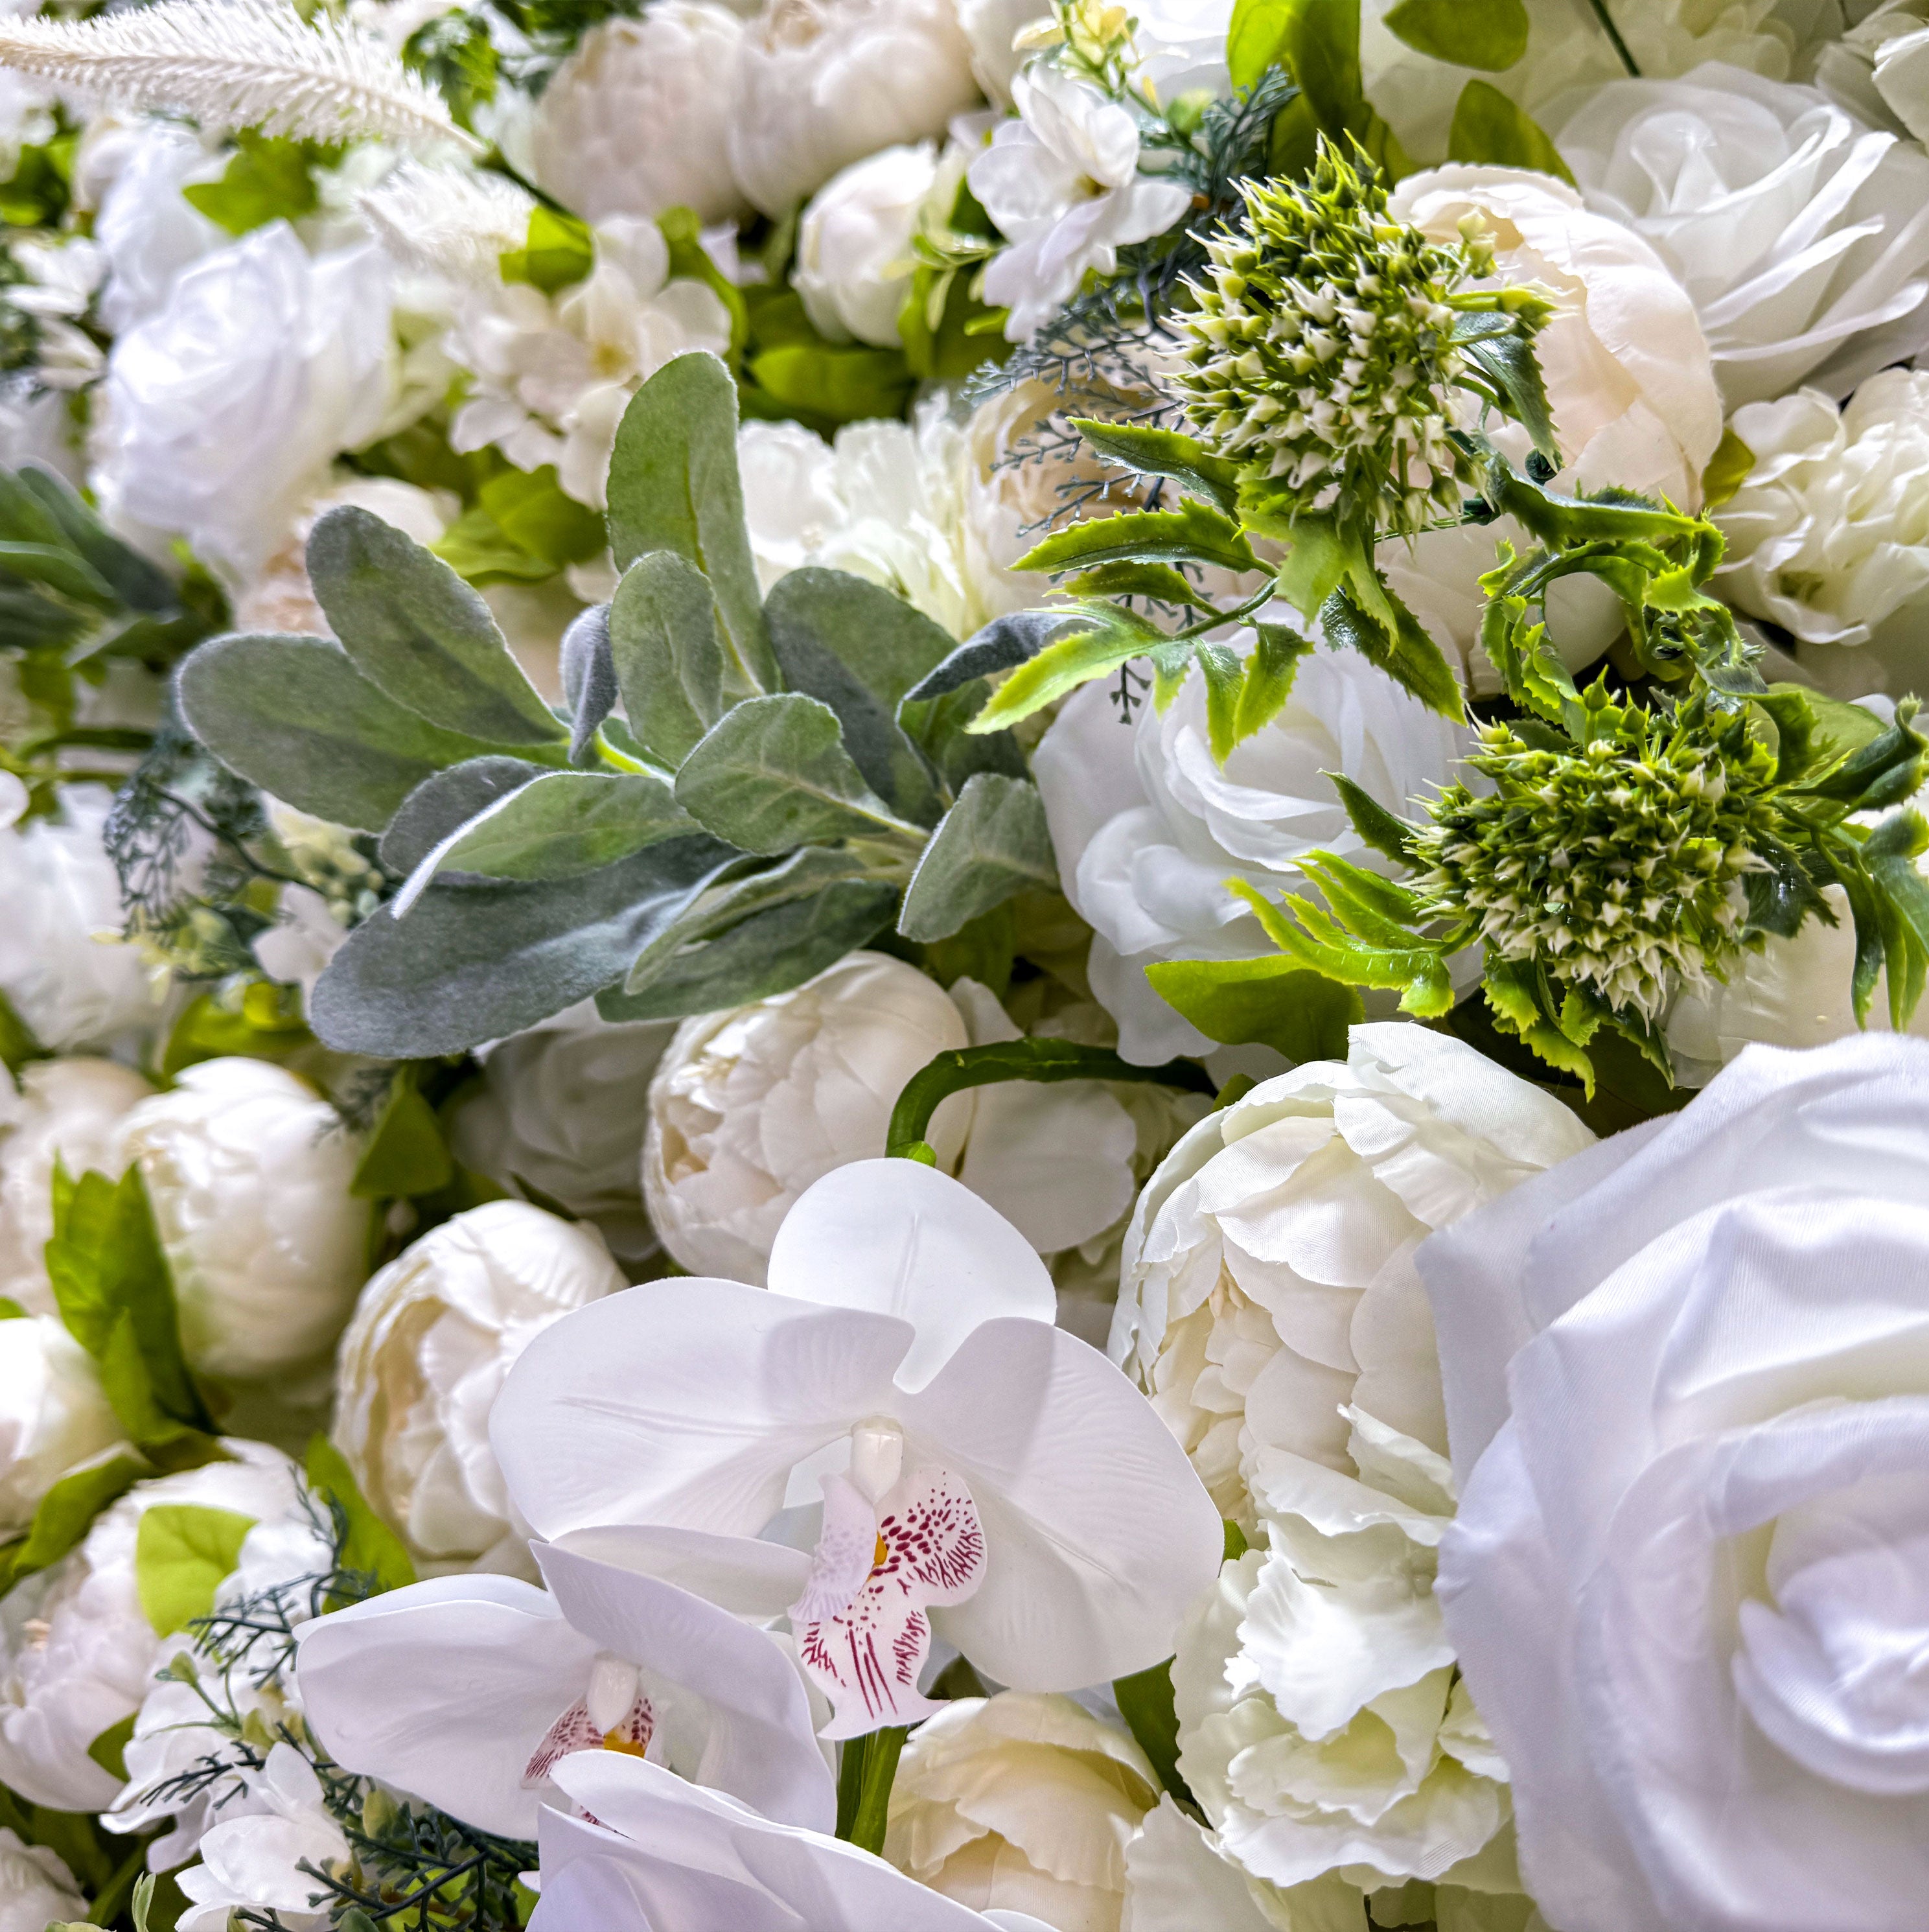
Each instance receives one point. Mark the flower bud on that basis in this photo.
(854, 261)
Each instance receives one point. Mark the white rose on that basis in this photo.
(1801, 234)
(885, 501)
(36, 1888)
(1629, 378)
(434, 1334)
(252, 1861)
(1021, 1802)
(560, 1110)
(53, 1413)
(1268, 1280)
(248, 1171)
(1147, 826)
(76, 1650)
(68, 1111)
(637, 119)
(1062, 183)
(148, 232)
(820, 83)
(853, 266)
(60, 965)
(1687, 1390)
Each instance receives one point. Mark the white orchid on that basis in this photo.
(983, 1473)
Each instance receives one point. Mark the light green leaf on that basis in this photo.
(523, 528)
(674, 485)
(182, 1551)
(836, 382)
(1116, 635)
(1489, 130)
(1488, 33)
(372, 1549)
(67, 1512)
(268, 179)
(672, 659)
(407, 1152)
(773, 774)
(109, 1750)
(1164, 452)
(1728, 468)
(1195, 533)
(1268, 686)
(1271, 1001)
(992, 843)
(18, 1046)
(557, 251)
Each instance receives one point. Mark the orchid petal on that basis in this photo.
(445, 1689)
(576, 1730)
(845, 1555)
(593, 1881)
(742, 1574)
(897, 1237)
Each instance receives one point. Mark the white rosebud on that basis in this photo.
(36, 1888)
(854, 265)
(635, 121)
(53, 1413)
(248, 1171)
(434, 1335)
(68, 1111)
(821, 83)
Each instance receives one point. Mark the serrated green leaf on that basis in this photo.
(992, 843)
(1158, 581)
(1270, 672)
(1225, 677)
(372, 1549)
(1509, 363)
(1491, 130)
(1378, 828)
(182, 1552)
(1394, 639)
(1114, 636)
(1164, 452)
(1195, 533)
(1272, 1001)
(1491, 34)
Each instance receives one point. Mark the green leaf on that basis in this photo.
(1319, 555)
(1378, 828)
(182, 1552)
(992, 843)
(294, 715)
(1146, 1702)
(672, 657)
(407, 1152)
(1487, 34)
(109, 1751)
(1269, 674)
(60, 571)
(1271, 1001)
(1489, 130)
(67, 1513)
(1158, 581)
(833, 382)
(414, 629)
(523, 528)
(1506, 358)
(1115, 635)
(10, 1310)
(1400, 647)
(1193, 533)
(267, 1024)
(1164, 452)
(446, 801)
(139, 583)
(371, 1548)
(557, 250)
(268, 179)
(1728, 468)
(674, 485)
(18, 1046)
(682, 230)
(773, 774)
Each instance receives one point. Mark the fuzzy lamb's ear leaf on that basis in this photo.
(1003, 644)
(992, 843)
(674, 485)
(413, 627)
(589, 674)
(446, 800)
(671, 657)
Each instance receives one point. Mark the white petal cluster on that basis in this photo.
(854, 263)
(54, 1414)
(253, 1858)
(36, 1888)
(148, 234)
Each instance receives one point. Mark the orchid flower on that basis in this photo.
(981, 1473)
(471, 1691)
(653, 1854)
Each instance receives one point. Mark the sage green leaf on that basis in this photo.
(1489, 130)
(773, 774)
(412, 627)
(1270, 1001)
(182, 1552)
(139, 583)
(1195, 533)
(941, 728)
(1003, 644)
(446, 801)
(472, 963)
(674, 485)
(1491, 34)
(672, 662)
(1164, 452)
(587, 671)
(992, 843)
(60, 571)
(371, 1549)
(67, 1512)
(1110, 634)
(295, 716)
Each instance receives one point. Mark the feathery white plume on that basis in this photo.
(450, 222)
(238, 64)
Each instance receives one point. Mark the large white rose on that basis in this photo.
(149, 234)
(1149, 826)
(637, 120)
(820, 83)
(248, 1170)
(226, 407)
(1688, 1391)
(68, 1111)
(53, 1413)
(854, 265)
(36, 1888)
(59, 966)
(1021, 1802)
(1801, 234)
(435, 1333)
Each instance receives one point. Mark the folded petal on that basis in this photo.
(742, 1574)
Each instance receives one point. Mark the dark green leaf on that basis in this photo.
(1272, 1001)
(1400, 647)
(139, 584)
(1378, 828)
(445, 801)
(18, 1046)
(1146, 1703)
(1487, 34)
(941, 728)
(1195, 533)
(992, 843)
(1164, 452)
(1509, 363)
(1783, 896)
(586, 668)
(60, 571)
(372, 1549)
(1489, 130)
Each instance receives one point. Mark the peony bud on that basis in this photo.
(854, 261)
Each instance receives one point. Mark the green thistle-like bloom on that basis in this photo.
(1321, 358)
(1613, 864)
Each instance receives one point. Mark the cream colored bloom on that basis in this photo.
(36, 1888)
(1021, 1803)
(435, 1333)
(854, 263)
(53, 1413)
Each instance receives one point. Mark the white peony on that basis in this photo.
(1062, 183)
(251, 1861)
(553, 375)
(1687, 1390)
(36, 1888)
(854, 261)
(1021, 1802)
(1147, 826)
(225, 408)
(148, 232)
(821, 83)
(637, 119)
(248, 1171)
(435, 1333)
(885, 501)
(991, 26)
(77, 1652)
(1801, 234)
(560, 1110)
(53, 1413)
(68, 1111)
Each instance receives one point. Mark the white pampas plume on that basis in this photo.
(454, 223)
(233, 64)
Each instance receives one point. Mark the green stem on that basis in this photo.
(1260, 599)
(864, 1778)
(1613, 34)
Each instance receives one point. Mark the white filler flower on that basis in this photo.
(853, 263)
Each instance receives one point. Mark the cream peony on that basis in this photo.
(435, 1333)
(1024, 1803)
(853, 263)
(637, 119)
(68, 1111)
(1687, 1378)
(1801, 234)
(53, 1413)
(1147, 826)
(991, 26)
(36, 1888)
(248, 1170)
(1879, 68)
(821, 83)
